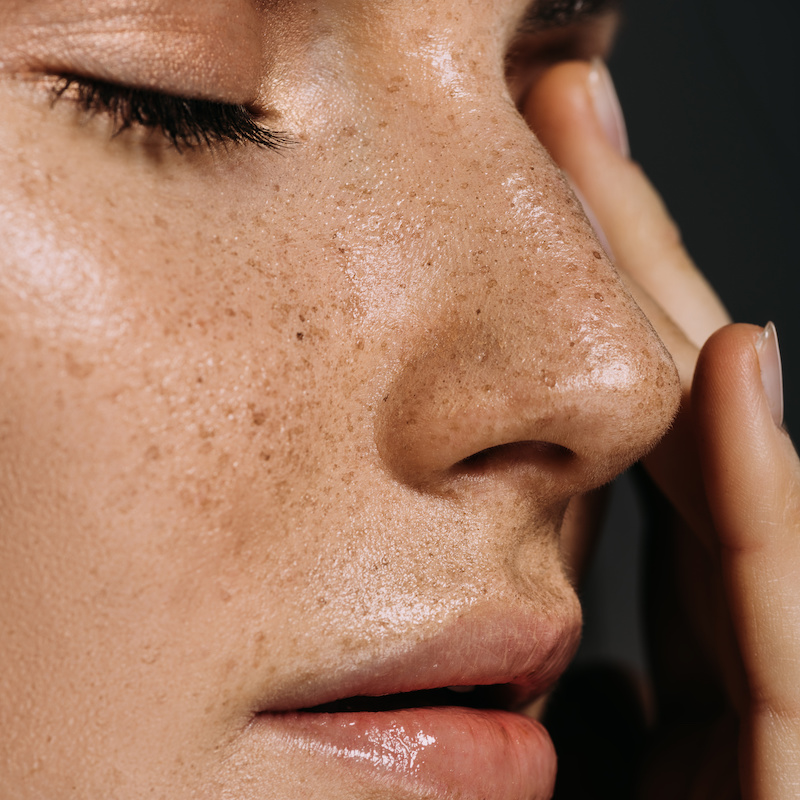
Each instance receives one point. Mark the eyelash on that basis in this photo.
(185, 123)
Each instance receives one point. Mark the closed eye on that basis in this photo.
(186, 123)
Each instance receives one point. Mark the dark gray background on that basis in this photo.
(710, 92)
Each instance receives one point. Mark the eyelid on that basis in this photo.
(177, 54)
(554, 30)
(545, 15)
(592, 38)
(530, 52)
(184, 122)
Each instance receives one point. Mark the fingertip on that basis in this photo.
(558, 108)
(748, 463)
(727, 392)
(728, 347)
(742, 362)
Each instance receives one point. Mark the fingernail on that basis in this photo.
(607, 107)
(769, 359)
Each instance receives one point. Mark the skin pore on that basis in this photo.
(242, 387)
(277, 421)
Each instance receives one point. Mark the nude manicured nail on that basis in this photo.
(769, 358)
(607, 107)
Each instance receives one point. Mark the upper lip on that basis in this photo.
(524, 655)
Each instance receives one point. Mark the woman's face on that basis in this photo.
(285, 427)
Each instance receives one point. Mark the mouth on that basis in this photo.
(478, 697)
(442, 719)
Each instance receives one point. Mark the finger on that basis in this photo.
(574, 111)
(562, 110)
(752, 477)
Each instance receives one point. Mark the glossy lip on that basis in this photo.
(452, 751)
(442, 752)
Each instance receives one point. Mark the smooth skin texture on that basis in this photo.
(743, 504)
(240, 390)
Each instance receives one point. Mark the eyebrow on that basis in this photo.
(546, 14)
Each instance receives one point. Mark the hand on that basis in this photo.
(727, 675)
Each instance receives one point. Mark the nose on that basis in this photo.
(530, 360)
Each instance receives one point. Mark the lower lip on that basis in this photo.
(451, 751)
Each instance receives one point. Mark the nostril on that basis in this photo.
(550, 416)
(514, 456)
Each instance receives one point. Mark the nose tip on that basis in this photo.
(522, 354)
(568, 398)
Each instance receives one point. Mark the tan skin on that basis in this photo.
(242, 390)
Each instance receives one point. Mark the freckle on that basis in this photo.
(230, 312)
(152, 453)
(264, 455)
(491, 284)
(77, 369)
(596, 254)
(259, 418)
(659, 382)
(572, 344)
(598, 296)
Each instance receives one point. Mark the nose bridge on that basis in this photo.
(529, 336)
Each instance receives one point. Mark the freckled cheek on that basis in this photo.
(167, 463)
